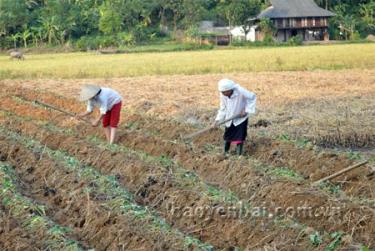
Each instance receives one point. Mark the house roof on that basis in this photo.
(294, 8)
(218, 31)
(207, 27)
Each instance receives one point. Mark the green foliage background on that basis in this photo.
(103, 23)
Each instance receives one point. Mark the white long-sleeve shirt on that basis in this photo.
(241, 100)
(104, 101)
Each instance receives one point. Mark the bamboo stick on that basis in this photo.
(340, 172)
(195, 134)
(60, 110)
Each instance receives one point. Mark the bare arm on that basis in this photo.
(83, 114)
(89, 110)
(96, 122)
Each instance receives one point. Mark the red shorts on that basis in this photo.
(112, 117)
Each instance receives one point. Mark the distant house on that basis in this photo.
(238, 33)
(214, 34)
(298, 17)
(224, 35)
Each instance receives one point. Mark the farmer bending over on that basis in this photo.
(109, 103)
(234, 101)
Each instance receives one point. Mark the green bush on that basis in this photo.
(356, 36)
(193, 46)
(125, 39)
(296, 40)
(144, 35)
(192, 32)
(6, 42)
(269, 40)
(107, 41)
(96, 42)
(242, 43)
(87, 43)
(167, 47)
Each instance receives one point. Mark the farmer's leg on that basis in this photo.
(106, 125)
(107, 132)
(226, 146)
(239, 149)
(113, 131)
(241, 135)
(228, 134)
(115, 120)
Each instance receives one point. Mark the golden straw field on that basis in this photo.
(93, 65)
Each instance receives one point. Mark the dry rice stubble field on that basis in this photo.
(306, 110)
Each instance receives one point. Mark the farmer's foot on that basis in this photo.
(239, 149)
(223, 156)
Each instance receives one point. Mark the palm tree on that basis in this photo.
(50, 28)
(15, 38)
(37, 34)
(25, 36)
(347, 26)
(367, 12)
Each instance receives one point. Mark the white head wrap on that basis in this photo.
(226, 85)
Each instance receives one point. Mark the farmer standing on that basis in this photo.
(109, 103)
(234, 100)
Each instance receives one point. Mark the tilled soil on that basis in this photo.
(69, 204)
(330, 108)
(158, 137)
(14, 237)
(156, 188)
(233, 174)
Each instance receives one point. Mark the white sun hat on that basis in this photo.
(226, 85)
(88, 91)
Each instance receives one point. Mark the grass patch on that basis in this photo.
(285, 172)
(354, 155)
(333, 240)
(330, 188)
(166, 47)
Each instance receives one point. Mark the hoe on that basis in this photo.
(60, 110)
(195, 134)
(188, 138)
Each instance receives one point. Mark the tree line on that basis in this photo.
(25, 23)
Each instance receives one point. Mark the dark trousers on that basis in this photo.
(233, 134)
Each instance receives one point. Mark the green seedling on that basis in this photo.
(336, 241)
(354, 155)
(284, 137)
(302, 142)
(331, 188)
(315, 239)
(286, 173)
